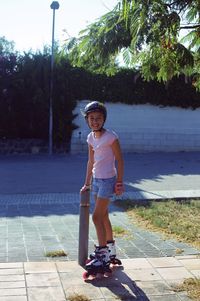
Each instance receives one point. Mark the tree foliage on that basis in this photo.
(149, 35)
(25, 86)
(24, 95)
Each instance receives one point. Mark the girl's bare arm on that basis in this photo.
(120, 162)
(89, 168)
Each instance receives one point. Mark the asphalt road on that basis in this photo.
(66, 173)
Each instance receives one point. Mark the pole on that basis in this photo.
(51, 90)
(54, 6)
(84, 213)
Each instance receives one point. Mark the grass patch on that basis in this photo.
(191, 286)
(78, 297)
(58, 253)
(119, 231)
(179, 219)
(179, 251)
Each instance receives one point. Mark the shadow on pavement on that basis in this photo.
(121, 286)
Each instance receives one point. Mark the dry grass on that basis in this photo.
(119, 231)
(191, 286)
(178, 219)
(78, 297)
(57, 253)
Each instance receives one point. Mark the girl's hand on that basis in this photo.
(85, 188)
(119, 188)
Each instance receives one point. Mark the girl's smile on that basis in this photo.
(95, 120)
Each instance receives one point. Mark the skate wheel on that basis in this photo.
(86, 275)
(116, 262)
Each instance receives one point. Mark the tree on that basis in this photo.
(8, 65)
(149, 35)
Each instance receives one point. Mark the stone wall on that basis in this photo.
(28, 146)
(145, 128)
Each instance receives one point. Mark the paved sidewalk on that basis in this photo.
(138, 279)
(34, 224)
(39, 213)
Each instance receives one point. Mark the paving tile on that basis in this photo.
(163, 262)
(37, 258)
(90, 291)
(38, 280)
(118, 276)
(16, 258)
(139, 298)
(13, 298)
(69, 267)
(164, 298)
(12, 277)
(183, 296)
(12, 284)
(192, 264)
(183, 257)
(155, 287)
(144, 275)
(174, 282)
(46, 293)
(9, 265)
(140, 263)
(39, 267)
(196, 273)
(121, 290)
(75, 279)
(11, 271)
(13, 292)
(174, 273)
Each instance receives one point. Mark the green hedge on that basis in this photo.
(24, 94)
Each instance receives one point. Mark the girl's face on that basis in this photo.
(95, 120)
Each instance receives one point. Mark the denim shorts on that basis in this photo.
(103, 188)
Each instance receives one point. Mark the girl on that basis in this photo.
(103, 152)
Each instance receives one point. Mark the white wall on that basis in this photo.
(143, 128)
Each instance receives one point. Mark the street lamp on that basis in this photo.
(54, 5)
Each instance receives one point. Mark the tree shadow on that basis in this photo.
(143, 167)
(65, 173)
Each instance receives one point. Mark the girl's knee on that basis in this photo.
(94, 218)
(97, 218)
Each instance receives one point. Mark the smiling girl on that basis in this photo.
(105, 170)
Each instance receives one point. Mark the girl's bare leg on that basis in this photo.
(108, 226)
(101, 221)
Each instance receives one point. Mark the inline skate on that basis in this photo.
(112, 254)
(99, 266)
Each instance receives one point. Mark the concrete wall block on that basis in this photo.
(147, 127)
(197, 143)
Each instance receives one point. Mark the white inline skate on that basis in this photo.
(99, 265)
(112, 253)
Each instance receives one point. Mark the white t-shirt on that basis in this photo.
(104, 159)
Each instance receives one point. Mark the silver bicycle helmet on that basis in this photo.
(95, 106)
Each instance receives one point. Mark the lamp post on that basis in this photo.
(54, 5)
